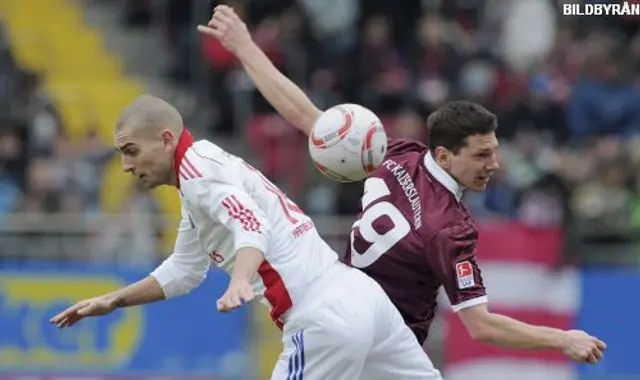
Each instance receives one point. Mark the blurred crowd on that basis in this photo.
(43, 173)
(565, 90)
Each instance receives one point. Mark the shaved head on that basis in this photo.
(149, 114)
(147, 134)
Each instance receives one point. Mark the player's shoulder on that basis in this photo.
(398, 146)
(457, 231)
(402, 161)
(205, 161)
(445, 216)
(209, 154)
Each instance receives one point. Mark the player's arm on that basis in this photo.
(230, 205)
(236, 210)
(248, 260)
(145, 291)
(507, 332)
(460, 275)
(185, 269)
(187, 266)
(285, 96)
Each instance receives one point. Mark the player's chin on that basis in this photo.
(153, 185)
(148, 182)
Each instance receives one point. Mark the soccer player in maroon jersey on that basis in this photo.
(414, 234)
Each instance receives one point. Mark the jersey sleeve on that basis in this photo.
(231, 206)
(187, 266)
(454, 263)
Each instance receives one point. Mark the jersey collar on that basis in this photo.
(185, 142)
(442, 176)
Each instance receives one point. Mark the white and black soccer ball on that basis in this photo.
(347, 142)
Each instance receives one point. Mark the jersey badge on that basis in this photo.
(464, 272)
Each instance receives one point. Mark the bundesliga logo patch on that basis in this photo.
(464, 272)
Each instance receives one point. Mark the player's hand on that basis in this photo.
(91, 307)
(228, 28)
(237, 294)
(583, 348)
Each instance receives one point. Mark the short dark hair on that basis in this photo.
(451, 124)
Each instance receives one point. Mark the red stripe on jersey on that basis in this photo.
(192, 167)
(245, 216)
(234, 212)
(182, 175)
(184, 143)
(460, 348)
(276, 292)
(283, 203)
(282, 196)
(184, 171)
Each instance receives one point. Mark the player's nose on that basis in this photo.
(127, 166)
(494, 164)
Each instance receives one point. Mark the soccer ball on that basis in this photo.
(347, 143)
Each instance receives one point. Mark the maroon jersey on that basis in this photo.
(413, 235)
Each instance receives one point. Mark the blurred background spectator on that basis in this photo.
(565, 90)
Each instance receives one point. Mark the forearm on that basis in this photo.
(284, 95)
(144, 291)
(248, 261)
(507, 332)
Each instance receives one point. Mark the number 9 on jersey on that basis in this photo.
(377, 212)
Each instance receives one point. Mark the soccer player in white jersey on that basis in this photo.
(337, 323)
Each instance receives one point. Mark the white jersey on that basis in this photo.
(228, 205)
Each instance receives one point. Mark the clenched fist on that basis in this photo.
(583, 348)
(228, 28)
(237, 294)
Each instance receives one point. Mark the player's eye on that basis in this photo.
(131, 152)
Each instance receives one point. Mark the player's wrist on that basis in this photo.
(240, 279)
(246, 50)
(562, 340)
(116, 301)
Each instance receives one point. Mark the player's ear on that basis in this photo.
(442, 156)
(167, 138)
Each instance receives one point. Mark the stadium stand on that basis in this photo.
(85, 82)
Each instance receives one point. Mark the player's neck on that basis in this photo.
(444, 176)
